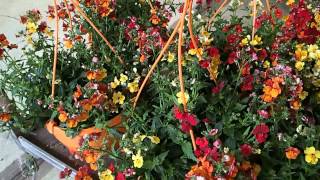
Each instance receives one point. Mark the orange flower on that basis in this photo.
(204, 168)
(72, 123)
(154, 19)
(63, 116)
(5, 117)
(87, 178)
(86, 104)
(271, 89)
(90, 75)
(292, 152)
(296, 104)
(142, 58)
(100, 74)
(245, 166)
(83, 116)
(90, 156)
(68, 44)
(94, 166)
(256, 170)
(77, 93)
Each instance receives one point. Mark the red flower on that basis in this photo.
(1, 52)
(246, 149)
(232, 57)
(65, 173)
(278, 13)
(181, 8)
(202, 142)
(191, 45)
(257, 23)
(3, 40)
(247, 84)
(263, 54)
(120, 176)
(187, 120)
(238, 28)
(232, 38)
(191, 119)
(177, 113)
(214, 153)
(261, 132)
(42, 27)
(204, 63)
(246, 70)
(213, 52)
(111, 167)
(197, 153)
(218, 88)
(23, 19)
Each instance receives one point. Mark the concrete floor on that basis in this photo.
(10, 154)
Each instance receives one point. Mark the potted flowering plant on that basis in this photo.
(251, 91)
(91, 80)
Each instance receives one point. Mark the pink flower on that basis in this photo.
(213, 132)
(217, 143)
(264, 114)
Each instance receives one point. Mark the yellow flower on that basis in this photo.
(256, 41)
(244, 42)
(313, 50)
(195, 51)
(179, 96)
(115, 83)
(205, 37)
(106, 175)
(316, 82)
(299, 65)
(123, 78)
(137, 160)
(170, 57)
(301, 54)
(318, 97)
(266, 64)
(142, 137)
(290, 2)
(303, 95)
(154, 139)
(118, 98)
(311, 155)
(68, 44)
(29, 39)
(133, 87)
(48, 32)
(317, 17)
(31, 27)
(127, 150)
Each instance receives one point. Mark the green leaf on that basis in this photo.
(162, 157)
(54, 114)
(188, 151)
(149, 164)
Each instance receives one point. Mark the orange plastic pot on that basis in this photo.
(73, 143)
